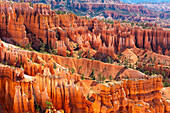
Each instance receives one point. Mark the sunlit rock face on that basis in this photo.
(37, 78)
(40, 81)
(21, 24)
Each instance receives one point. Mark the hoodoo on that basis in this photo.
(63, 63)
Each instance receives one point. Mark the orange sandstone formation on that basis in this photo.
(40, 81)
(132, 96)
(45, 78)
(21, 24)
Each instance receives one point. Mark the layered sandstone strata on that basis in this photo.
(43, 79)
(131, 96)
(125, 7)
(21, 24)
(34, 62)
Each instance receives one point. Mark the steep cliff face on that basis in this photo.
(59, 31)
(21, 24)
(123, 96)
(39, 77)
(12, 25)
(44, 79)
(34, 62)
(152, 39)
(136, 95)
(18, 18)
(17, 96)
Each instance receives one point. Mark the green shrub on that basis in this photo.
(126, 67)
(141, 69)
(163, 74)
(79, 53)
(72, 70)
(82, 76)
(80, 67)
(54, 66)
(150, 59)
(54, 51)
(93, 77)
(166, 84)
(127, 77)
(30, 3)
(60, 12)
(68, 55)
(100, 77)
(92, 73)
(42, 47)
(133, 67)
(28, 46)
(110, 77)
(103, 78)
(132, 24)
(48, 104)
(146, 72)
(130, 65)
(37, 107)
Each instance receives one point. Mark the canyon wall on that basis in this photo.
(29, 79)
(138, 95)
(22, 24)
(45, 78)
(34, 63)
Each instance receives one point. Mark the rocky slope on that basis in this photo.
(21, 93)
(111, 9)
(40, 27)
(21, 24)
(32, 81)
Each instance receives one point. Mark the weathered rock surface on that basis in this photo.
(21, 24)
(141, 95)
(57, 85)
(44, 77)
